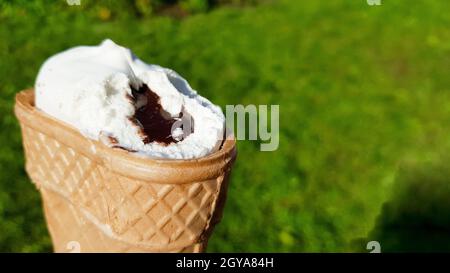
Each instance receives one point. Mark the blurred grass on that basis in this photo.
(361, 89)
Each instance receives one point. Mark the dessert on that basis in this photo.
(137, 106)
(120, 165)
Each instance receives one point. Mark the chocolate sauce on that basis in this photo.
(154, 126)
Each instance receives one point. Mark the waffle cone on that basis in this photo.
(100, 199)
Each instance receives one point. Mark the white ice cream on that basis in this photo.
(87, 87)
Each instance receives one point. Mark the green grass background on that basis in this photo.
(364, 114)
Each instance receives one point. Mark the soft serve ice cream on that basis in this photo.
(110, 95)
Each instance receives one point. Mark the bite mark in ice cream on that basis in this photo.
(154, 126)
(107, 93)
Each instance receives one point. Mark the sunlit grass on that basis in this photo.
(361, 89)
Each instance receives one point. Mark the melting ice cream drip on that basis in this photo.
(150, 117)
(156, 125)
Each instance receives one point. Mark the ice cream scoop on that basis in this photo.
(109, 94)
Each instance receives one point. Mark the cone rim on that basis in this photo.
(170, 171)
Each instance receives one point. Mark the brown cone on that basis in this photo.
(100, 199)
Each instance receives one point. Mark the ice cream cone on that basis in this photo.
(101, 199)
